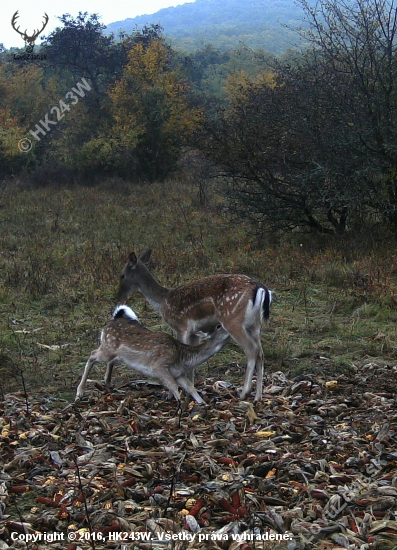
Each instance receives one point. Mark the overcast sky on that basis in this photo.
(31, 14)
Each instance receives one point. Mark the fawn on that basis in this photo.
(154, 354)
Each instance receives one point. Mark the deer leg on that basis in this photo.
(194, 339)
(91, 361)
(168, 381)
(254, 332)
(190, 339)
(97, 356)
(253, 350)
(109, 372)
(259, 373)
(251, 364)
(250, 341)
(188, 386)
(169, 395)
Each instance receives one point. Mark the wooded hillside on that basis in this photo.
(224, 23)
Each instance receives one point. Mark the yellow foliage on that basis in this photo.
(151, 97)
(10, 133)
(237, 84)
(22, 91)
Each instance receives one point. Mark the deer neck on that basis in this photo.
(153, 291)
(196, 355)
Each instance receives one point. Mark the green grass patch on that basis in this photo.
(62, 251)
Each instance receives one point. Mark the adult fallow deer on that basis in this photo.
(239, 303)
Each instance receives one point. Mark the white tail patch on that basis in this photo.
(254, 309)
(127, 311)
(260, 297)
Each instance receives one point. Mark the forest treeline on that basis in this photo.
(224, 23)
(303, 141)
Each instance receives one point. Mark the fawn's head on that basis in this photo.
(132, 274)
(218, 336)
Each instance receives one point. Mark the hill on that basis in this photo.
(225, 24)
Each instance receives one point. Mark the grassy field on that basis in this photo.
(62, 250)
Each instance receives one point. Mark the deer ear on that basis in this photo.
(132, 259)
(145, 257)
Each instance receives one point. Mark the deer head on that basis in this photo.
(29, 40)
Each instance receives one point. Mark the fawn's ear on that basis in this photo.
(132, 259)
(145, 257)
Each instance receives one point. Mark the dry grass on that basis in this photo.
(62, 250)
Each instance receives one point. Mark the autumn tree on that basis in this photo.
(358, 39)
(272, 153)
(23, 102)
(11, 158)
(80, 48)
(316, 147)
(152, 109)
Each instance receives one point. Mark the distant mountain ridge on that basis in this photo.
(225, 24)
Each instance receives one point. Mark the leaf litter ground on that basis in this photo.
(316, 459)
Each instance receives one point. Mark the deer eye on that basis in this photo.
(218, 327)
(122, 276)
